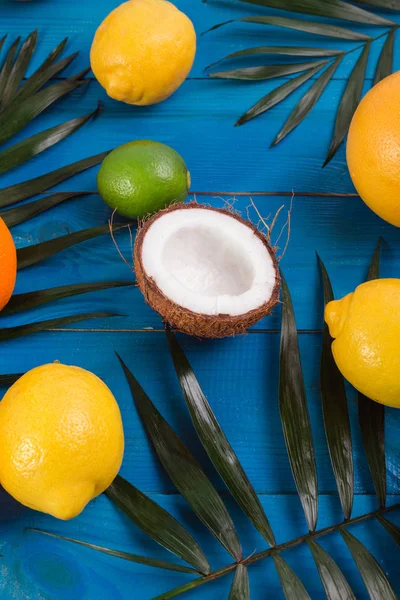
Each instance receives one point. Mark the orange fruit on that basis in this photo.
(373, 149)
(8, 264)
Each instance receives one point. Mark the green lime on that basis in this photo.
(140, 178)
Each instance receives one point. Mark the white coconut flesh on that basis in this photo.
(208, 262)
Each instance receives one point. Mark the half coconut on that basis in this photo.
(206, 271)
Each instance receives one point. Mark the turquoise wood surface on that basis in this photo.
(239, 375)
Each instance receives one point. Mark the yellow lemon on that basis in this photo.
(373, 149)
(366, 328)
(143, 51)
(61, 439)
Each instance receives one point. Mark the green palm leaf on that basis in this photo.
(374, 268)
(391, 4)
(135, 558)
(294, 413)
(26, 149)
(184, 470)
(54, 54)
(31, 255)
(216, 444)
(20, 214)
(240, 589)
(375, 580)
(390, 528)
(307, 102)
(45, 72)
(7, 67)
(279, 51)
(349, 102)
(371, 416)
(333, 580)
(32, 187)
(29, 300)
(315, 28)
(19, 114)
(277, 95)
(266, 71)
(19, 68)
(7, 380)
(385, 62)
(157, 523)
(11, 333)
(333, 9)
(291, 584)
(336, 413)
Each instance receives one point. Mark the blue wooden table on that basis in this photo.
(239, 375)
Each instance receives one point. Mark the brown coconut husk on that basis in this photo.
(184, 320)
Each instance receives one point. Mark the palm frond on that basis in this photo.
(7, 66)
(31, 255)
(141, 560)
(307, 102)
(391, 528)
(375, 580)
(294, 413)
(17, 71)
(292, 586)
(349, 102)
(334, 582)
(371, 417)
(332, 9)
(216, 444)
(388, 4)
(189, 478)
(49, 69)
(22, 191)
(20, 214)
(6, 380)
(267, 71)
(23, 151)
(336, 413)
(30, 300)
(279, 51)
(15, 117)
(277, 95)
(312, 27)
(11, 333)
(184, 470)
(240, 589)
(385, 62)
(23, 100)
(157, 523)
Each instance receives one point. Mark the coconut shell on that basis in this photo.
(182, 319)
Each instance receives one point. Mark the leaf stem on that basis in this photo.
(370, 41)
(276, 549)
(316, 534)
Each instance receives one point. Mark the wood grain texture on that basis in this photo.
(239, 376)
(79, 21)
(208, 141)
(37, 567)
(343, 231)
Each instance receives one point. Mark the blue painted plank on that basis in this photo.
(343, 231)
(208, 141)
(240, 375)
(80, 20)
(240, 378)
(38, 567)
